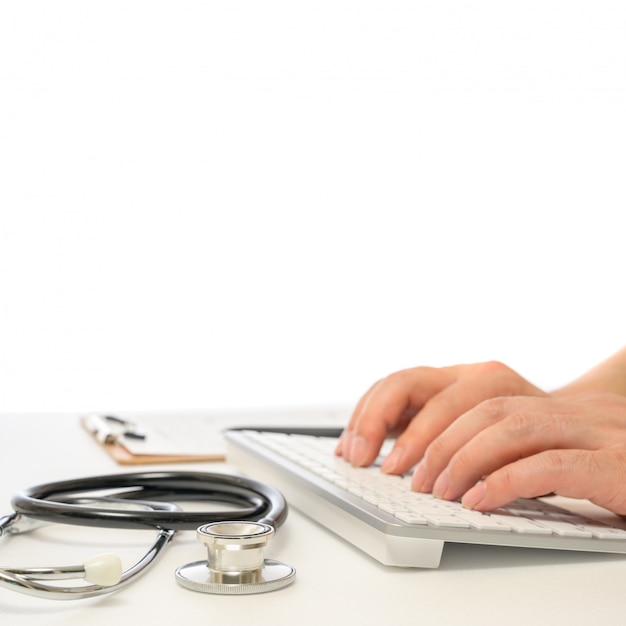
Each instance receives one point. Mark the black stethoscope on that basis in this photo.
(234, 536)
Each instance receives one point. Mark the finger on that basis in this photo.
(343, 445)
(501, 431)
(479, 383)
(388, 407)
(458, 434)
(597, 475)
(345, 440)
(492, 434)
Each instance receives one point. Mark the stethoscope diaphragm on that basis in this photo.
(235, 564)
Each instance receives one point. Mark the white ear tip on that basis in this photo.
(104, 570)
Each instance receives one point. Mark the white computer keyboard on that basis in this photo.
(382, 516)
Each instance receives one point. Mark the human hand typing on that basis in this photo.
(417, 405)
(484, 434)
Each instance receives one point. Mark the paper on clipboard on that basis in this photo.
(188, 436)
(164, 439)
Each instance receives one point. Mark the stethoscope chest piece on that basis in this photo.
(235, 564)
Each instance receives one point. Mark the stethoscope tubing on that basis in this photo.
(253, 500)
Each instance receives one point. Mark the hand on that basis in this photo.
(506, 448)
(417, 405)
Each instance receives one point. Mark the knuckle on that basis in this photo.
(494, 408)
(371, 430)
(405, 374)
(565, 468)
(554, 463)
(518, 423)
(435, 450)
(509, 383)
(441, 403)
(462, 464)
(611, 466)
(507, 478)
(492, 368)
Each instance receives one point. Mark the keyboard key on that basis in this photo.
(411, 518)
(522, 525)
(565, 529)
(392, 508)
(447, 521)
(605, 532)
(483, 522)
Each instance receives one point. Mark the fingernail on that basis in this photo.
(419, 476)
(474, 496)
(358, 451)
(441, 484)
(392, 461)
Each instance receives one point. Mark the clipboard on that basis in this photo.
(157, 439)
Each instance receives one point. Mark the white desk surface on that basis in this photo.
(335, 582)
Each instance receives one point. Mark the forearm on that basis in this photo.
(607, 376)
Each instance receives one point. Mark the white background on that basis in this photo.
(264, 203)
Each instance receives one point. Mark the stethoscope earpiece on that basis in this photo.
(103, 569)
(235, 563)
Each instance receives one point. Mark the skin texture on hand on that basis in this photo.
(484, 434)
